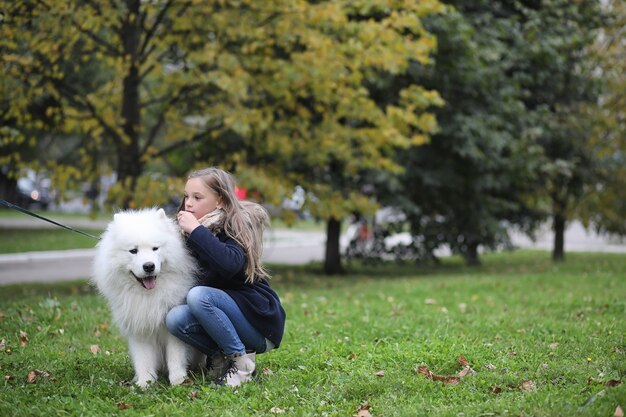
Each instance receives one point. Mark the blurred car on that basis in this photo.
(34, 191)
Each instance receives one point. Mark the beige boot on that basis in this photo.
(242, 369)
(217, 365)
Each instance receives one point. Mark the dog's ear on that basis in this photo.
(161, 213)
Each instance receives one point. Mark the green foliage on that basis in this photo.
(557, 75)
(604, 202)
(474, 179)
(277, 88)
(519, 318)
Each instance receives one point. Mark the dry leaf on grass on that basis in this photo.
(448, 380)
(3, 345)
(380, 373)
(23, 338)
(95, 349)
(466, 371)
(613, 383)
(34, 375)
(123, 405)
(363, 411)
(528, 386)
(267, 371)
(277, 410)
(618, 412)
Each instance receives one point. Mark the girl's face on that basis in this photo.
(200, 200)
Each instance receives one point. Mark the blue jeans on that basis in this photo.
(212, 321)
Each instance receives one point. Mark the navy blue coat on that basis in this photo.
(222, 262)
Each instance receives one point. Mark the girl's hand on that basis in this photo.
(187, 221)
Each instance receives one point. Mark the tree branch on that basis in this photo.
(195, 138)
(150, 33)
(109, 47)
(74, 97)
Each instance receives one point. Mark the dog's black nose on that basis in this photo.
(148, 267)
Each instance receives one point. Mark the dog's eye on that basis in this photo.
(156, 248)
(134, 251)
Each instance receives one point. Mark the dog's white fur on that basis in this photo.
(134, 243)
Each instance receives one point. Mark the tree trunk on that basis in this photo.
(130, 166)
(332, 260)
(471, 256)
(558, 252)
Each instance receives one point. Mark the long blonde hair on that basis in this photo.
(244, 221)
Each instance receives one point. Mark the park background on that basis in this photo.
(465, 122)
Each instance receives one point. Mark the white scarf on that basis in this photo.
(214, 221)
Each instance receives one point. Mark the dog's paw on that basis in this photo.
(178, 378)
(144, 383)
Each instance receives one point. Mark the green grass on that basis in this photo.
(16, 239)
(518, 318)
(7, 213)
(27, 240)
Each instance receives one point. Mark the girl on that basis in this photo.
(234, 313)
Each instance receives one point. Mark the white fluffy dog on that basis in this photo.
(143, 269)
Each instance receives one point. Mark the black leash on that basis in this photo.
(30, 213)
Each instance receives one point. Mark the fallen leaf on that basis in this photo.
(193, 395)
(32, 376)
(618, 412)
(8, 378)
(35, 374)
(424, 371)
(94, 349)
(466, 371)
(351, 356)
(463, 361)
(267, 371)
(123, 405)
(462, 308)
(528, 386)
(554, 345)
(613, 383)
(363, 411)
(23, 338)
(452, 380)
(3, 345)
(430, 301)
(103, 326)
(490, 367)
(276, 410)
(380, 373)
(495, 390)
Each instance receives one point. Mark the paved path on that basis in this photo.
(281, 247)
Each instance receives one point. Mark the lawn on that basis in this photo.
(49, 237)
(518, 336)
